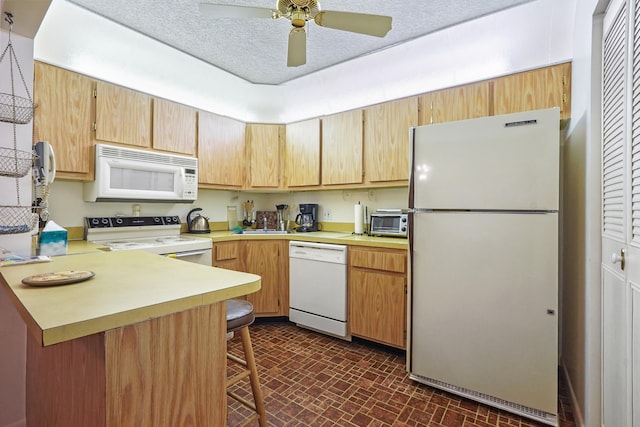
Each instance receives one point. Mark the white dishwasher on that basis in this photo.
(318, 287)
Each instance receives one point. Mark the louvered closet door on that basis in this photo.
(621, 214)
(634, 247)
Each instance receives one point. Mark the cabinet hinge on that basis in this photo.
(564, 97)
(95, 93)
(94, 126)
(405, 289)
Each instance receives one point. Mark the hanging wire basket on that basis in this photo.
(15, 109)
(18, 219)
(15, 163)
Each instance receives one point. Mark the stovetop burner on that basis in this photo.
(159, 234)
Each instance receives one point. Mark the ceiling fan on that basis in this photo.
(299, 12)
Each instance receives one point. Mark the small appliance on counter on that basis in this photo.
(307, 219)
(389, 222)
(198, 224)
(282, 217)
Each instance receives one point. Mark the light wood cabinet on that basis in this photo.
(64, 118)
(457, 103)
(227, 255)
(174, 127)
(532, 90)
(122, 115)
(221, 150)
(377, 280)
(302, 154)
(270, 260)
(386, 139)
(342, 140)
(267, 258)
(263, 155)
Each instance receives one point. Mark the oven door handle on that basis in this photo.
(186, 253)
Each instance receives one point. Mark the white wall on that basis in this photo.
(581, 225)
(12, 328)
(67, 208)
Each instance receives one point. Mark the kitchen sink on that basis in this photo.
(263, 231)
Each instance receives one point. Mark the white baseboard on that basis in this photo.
(577, 411)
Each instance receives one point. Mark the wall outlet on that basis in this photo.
(327, 214)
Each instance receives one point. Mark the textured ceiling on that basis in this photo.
(256, 49)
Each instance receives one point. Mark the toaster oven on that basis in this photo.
(392, 224)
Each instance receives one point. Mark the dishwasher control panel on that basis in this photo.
(322, 252)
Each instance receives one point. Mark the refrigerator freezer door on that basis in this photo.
(506, 162)
(484, 304)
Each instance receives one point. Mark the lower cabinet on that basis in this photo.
(377, 283)
(267, 258)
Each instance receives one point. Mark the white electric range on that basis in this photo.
(156, 234)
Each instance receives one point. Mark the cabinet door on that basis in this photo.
(221, 148)
(532, 90)
(386, 139)
(458, 103)
(122, 115)
(302, 153)
(264, 258)
(227, 255)
(64, 119)
(377, 306)
(174, 127)
(377, 294)
(263, 145)
(342, 148)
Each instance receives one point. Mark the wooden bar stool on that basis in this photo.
(239, 317)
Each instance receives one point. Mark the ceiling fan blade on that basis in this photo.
(229, 11)
(297, 54)
(363, 23)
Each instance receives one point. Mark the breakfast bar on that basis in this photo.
(141, 343)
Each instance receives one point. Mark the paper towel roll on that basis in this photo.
(358, 216)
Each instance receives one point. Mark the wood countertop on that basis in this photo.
(128, 287)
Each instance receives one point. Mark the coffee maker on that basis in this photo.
(307, 219)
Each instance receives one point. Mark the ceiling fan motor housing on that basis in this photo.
(298, 11)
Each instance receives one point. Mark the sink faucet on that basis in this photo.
(264, 222)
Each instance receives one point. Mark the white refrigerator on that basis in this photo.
(483, 242)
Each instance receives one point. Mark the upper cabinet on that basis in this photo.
(122, 115)
(263, 155)
(174, 127)
(64, 118)
(342, 148)
(532, 90)
(302, 154)
(221, 150)
(386, 139)
(457, 103)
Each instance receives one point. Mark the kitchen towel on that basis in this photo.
(358, 220)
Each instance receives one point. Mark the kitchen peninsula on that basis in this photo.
(140, 344)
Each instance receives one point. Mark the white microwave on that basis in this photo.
(125, 174)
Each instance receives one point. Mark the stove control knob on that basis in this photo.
(119, 221)
(95, 221)
(105, 221)
(156, 219)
